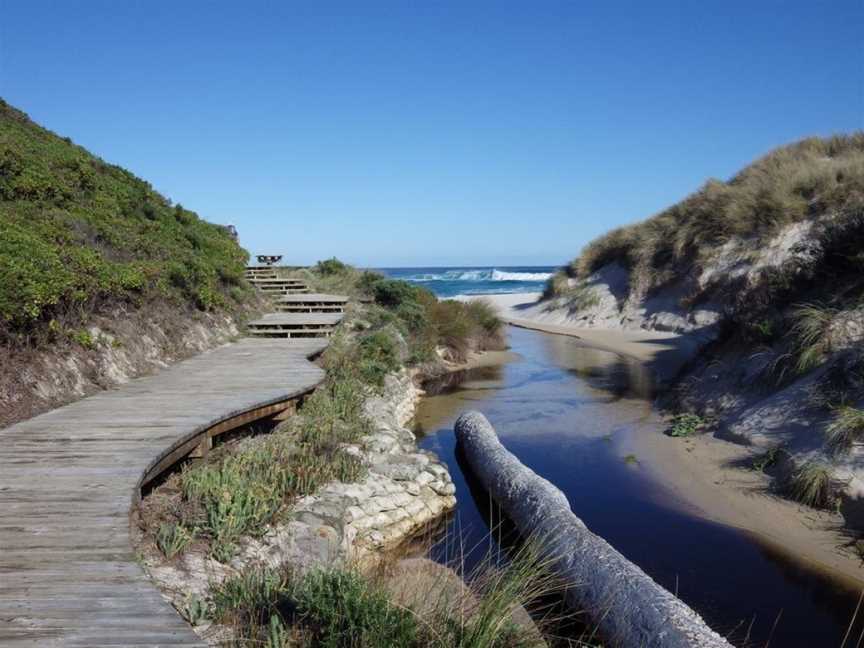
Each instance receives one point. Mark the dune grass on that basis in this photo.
(846, 429)
(788, 185)
(812, 484)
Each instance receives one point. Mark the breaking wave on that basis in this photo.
(480, 275)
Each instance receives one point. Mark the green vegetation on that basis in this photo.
(173, 539)
(684, 425)
(339, 608)
(811, 484)
(243, 492)
(846, 429)
(78, 235)
(331, 267)
(425, 322)
(240, 493)
(84, 338)
(790, 184)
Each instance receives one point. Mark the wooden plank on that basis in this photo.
(298, 319)
(69, 477)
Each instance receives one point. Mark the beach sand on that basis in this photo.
(705, 476)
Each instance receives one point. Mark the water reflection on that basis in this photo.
(565, 409)
(610, 372)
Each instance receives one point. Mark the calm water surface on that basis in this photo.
(564, 410)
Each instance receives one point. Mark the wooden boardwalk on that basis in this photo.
(68, 478)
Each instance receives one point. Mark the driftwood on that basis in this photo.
(628, 606)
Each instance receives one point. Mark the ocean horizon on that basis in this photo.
(449, 281)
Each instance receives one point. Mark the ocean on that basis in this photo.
(475, 280)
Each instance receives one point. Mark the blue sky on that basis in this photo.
(410, 133)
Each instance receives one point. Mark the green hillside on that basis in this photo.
(79, 235)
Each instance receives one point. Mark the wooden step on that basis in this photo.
(311, 303)
(292, 333)
(308, 308)
(316, 298)
(272, 292)
(295, 325)
(279, 285)
(280, 280)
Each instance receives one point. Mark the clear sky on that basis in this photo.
(432, 133)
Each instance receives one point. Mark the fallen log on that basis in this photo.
(628, 606)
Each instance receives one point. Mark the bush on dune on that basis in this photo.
(425, 321)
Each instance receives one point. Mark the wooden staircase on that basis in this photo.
(300, 313)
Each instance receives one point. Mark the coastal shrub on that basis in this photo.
(846, 429)
(367, 279)
(684, 425)
(811, 484)
(332, 266)
(392, 293)
(485, 316)
(454, 326)
(377, 355)
(78, 235)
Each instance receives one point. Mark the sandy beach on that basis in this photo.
(704, 475)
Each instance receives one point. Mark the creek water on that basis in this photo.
(565, 410)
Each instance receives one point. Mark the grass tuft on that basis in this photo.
(811, 484)
(846, 429)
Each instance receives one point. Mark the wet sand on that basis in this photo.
(708, 477)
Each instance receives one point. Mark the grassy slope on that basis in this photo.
(78, 234)
(804, 180)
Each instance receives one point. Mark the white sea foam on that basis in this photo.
(481, 275)
(498, 275)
